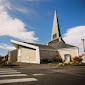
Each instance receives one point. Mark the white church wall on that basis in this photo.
(71, 51)
(26, 47)
(29, 55)
(19, 54)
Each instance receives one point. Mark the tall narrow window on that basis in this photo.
(54, 36)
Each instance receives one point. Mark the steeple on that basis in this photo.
(55, 30)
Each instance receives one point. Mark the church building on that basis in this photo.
(34, 53)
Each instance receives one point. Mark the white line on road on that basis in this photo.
(17, 80)
(38, 74)
(13, 75)
(9, 72)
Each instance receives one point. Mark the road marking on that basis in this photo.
(38, 74)
(17, 80)
(13, 75)
(9, 72)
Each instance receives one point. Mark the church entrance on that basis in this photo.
(67, 57)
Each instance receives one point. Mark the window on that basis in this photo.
(54, 36)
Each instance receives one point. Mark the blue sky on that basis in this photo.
(32, 21)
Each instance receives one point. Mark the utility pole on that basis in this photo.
(83, 45)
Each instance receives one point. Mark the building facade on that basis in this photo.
(12, 56)
(34, 53)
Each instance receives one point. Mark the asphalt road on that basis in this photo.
(43, 75)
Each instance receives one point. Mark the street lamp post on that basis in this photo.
(83, 45)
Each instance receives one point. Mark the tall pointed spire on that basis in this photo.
(56, 30)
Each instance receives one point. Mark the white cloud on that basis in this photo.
(7, 47)
(22, 10)
(74, 35)
(5, 4)
(13, 27)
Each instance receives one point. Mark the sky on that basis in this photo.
(32, 21)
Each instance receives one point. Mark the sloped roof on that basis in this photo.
(41, 46)
(63, 45)
(60, 45)
(54, 46)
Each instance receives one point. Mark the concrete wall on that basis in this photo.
(12, 56)
(72, 51)
(45, 54)
(28, 55)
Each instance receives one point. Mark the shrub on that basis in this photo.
(44, 61)
(77, 59)
(58, 59)
(61, 64)
(0, 60)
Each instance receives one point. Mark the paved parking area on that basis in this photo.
(43, 75)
